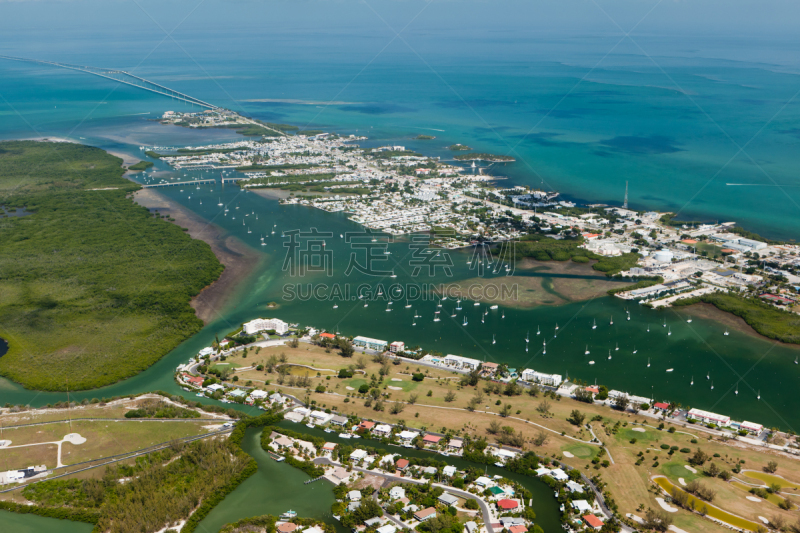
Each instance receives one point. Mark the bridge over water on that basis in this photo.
(120, 76)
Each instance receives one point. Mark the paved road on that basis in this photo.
(487, 514)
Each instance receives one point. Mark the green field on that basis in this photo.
(677, 469)
(93, 288)
(582, 451)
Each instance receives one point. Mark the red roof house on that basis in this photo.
(592, 521)
(431, 439)
(366, 424)
(507, 505)
(327, 335)
(518, 529)
(661, 406)
(197, 381)
(401, 464)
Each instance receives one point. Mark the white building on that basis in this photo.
(752, 427)
(397, 347)
(449, 471)
(558, 475)
(484, 481)
(382, 429)
(258, 394)
(407, 436)
(397, 493)
(466, 363)
(532, 376)
(371, 344)
(262, 324)
(357, 455)
(320, 417)
(708, 417)
(354, 495)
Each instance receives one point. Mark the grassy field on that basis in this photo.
(93, 288)
(629, 483)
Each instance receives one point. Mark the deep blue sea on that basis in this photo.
(705, 128)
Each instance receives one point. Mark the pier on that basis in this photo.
(173, 184)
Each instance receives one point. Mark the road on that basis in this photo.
(487, 513)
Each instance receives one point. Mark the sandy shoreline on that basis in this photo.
(239, 260)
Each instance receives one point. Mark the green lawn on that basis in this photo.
(582, 451)
(626, 434)
(93, 288)
(677, 469)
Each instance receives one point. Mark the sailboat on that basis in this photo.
(493, 341)
(629, 314)
(726, 332)
(594, 324)
(737, 389)
(670, 331)
(712, 385)
(454, 314)
(503, 315)
(439, 304)
(526, 348)
(393, 274)
(689, 320)
(414, 323)
(556, 326)
(665, 323)
(366, 304)
(795, 359)
(708, 375)
(617, 348)
(544, 347)
(436, 317)
(759, 394)
(408, 305)
(415, 314)
(587, 350)
(476, 304)
(249, 230)
(609, 355)
(388, 309)
(537, 330)
(612, 321)
(648, 362)
(458, 305)
(527, 336)
(336, 306)
(648, 328)
(692, 383)
(465, 321)
(635, 350)
(262, 241)
(483, 319)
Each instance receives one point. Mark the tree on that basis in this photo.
(412, 399)
(713, 470)
(418, 376)
(363, 389)
(699, 457)
(583, 395)
(603, 392)
(346, 348)
(450, 396)
(657, 520)
(543, 408)
(494, 427)
(361, 362)
(576, 417)
(541, 438)
(397, 408)
(621, 402)
(506, 410)
(771, 467)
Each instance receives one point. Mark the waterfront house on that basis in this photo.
(258, 394)
(320, 417)
(484, 481)
(593, 522)
(329, 336)
(382, 430)
(195, 381)
(328, 447)
(507, 505)
(542, 471)
(282, 441)
(260, 324)
(425, 514)
(519, 528)
(449, 471)
(388, 528)
(340, 474)
(358, 455)
(397, 347)
(708, 417)
(574, 487)
(214, 387)
(558, 475)
(406, 437)
(401, 464)
(339, 420)
(661, 406)
(455, 445)
(286, 527)
(751, 427)
(496, 491)
(366, 425)
(582, 506)
(431, 439)
(463, 363)
(370, 344)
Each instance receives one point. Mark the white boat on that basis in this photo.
(670, 331)
(688, 320)
(648, 362)
(670, 369)
(712, 385)
(726, 332)
(344, 435)
(594, 324)
(617, 348)
(591, 362)
(556, 326)
(328, 430)
(493, 307)
(587, 350)
(499, 464)
(493, 341)
(289, 514)
(335, 306)
(476, 304)
(692, 382)
(635, 350)
(310, 425)
(609, 354)
(446, 454)
(611, 323)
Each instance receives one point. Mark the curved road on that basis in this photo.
(487, 514)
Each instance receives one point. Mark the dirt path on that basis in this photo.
(238, 258)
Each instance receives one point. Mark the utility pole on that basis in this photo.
(69, 418)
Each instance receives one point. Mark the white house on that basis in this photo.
(261, 324)
(320, 417)
(574, 487)
(582, 506)
(214, 387)
(354, 495)
(407, 436)
(397, 493)
(357, 455)
(558, 475)
(449, 470)
(397, 347)
(258, 394)
(752, 427)
(382, 430)
(484, 481)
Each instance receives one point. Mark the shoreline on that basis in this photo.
(238, 259)
(710, 312)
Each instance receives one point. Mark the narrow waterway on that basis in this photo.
(29, 523)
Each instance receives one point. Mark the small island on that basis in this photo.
(424, 137)
(141, 165)
(459, 148)
(484, 157)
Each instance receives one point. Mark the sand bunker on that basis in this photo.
(639, 430)
(568, 455)
(690, 469)
(754, 499)
(682, 481)
(394, 388)
(74, 438)
(668, 508)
